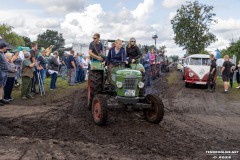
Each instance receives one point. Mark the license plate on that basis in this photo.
(201, 82)
(129, 93)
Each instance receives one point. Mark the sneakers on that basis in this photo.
(238, 87)
(4, 101)
(226, 92)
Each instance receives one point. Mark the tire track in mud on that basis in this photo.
(67, 131)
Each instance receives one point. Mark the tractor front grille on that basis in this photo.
(130, 83)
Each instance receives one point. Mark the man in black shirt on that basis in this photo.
(226, 73)
(96, 48)
(212, 74)
(71, 67)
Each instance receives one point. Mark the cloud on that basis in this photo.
(172, 3)
(143, 9)
(227, 25)
(78, 25)
(60, 6)
(18, 21)
(48, 23)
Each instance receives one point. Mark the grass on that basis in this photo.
(172, 77)
(232, 90)
(62, 89)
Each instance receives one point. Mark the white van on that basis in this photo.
(196, 69)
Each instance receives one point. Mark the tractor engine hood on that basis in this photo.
(126, 72)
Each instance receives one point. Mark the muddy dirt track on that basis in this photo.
(195, 122)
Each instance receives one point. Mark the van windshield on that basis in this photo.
(199, 61)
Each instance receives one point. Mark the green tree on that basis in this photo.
(191, 27)
(27, 41)
(233, 49)
(162, 49)
(50, 37)
(10, 36)
(174, 58)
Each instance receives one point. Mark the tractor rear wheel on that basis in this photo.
(99, 110)
(95, 85)
(156, 113)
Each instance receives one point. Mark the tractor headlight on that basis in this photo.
(190, 74)
(119, 84)
(140, 84)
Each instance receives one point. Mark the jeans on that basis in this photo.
(8, 88)
(53, 81)
(43, 76)
(147, 76)
(71, 76)
(64, 71)
(26, 86)
(79, 75)
(84, 73)
(18, 73)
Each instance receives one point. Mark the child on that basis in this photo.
(27, 74)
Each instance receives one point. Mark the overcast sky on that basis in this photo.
(79, 19)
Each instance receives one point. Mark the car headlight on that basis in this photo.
(190, 74)
(140, 84)
(119, 84)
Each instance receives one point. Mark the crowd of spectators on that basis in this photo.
(32, 69)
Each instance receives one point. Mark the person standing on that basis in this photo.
(133, 52)
(27, 75)
(85, 65)
(42, 69)
(12, 71)
(237, 69)
(53, 70)
(212, 74)
(3, 72)
(17, 61)
(232, 68)
(147, 67)
(42, 62)
(81, 69)
(226, 73)
(71, 67)
(77, 74)
(33, 59)
(64, 66)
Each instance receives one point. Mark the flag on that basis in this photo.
(218, 53)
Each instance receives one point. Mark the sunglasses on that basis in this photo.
(94, 37)
(133, 41)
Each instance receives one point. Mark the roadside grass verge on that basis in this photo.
(62, 90)
(232, 91)
(172, 77)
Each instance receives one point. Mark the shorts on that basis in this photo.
(3, 78)
(225, 78)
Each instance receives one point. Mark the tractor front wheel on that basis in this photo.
(99, 110)
(156, 113)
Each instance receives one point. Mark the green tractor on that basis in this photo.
(126, 90)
